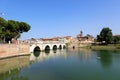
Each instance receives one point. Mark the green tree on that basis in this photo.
(15, 29)
(3, 24)
(116, 39)
(23, 27)
(105, 35)
(99, 38)
(12, 26)
(12, 29)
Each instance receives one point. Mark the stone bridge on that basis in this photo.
(46, 45)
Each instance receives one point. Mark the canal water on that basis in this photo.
(65, 64)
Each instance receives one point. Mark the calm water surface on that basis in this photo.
(63, 65)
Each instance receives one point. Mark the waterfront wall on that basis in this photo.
(9, 50)
(78, 45)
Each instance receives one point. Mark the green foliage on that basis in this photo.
(3, 22)
(12, 26)
(23, 27)
(99, 38)
(105, 35)
(12, 29)
(116, 39)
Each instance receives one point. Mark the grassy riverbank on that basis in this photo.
(106, 47)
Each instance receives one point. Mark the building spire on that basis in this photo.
(81, 33)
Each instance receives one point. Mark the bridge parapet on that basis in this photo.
(45, 42)
(51, 42)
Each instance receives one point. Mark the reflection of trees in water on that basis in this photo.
(13, 75)
(105, 58)
(11, 66)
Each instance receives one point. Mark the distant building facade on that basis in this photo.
(71, 42)
(85, 39)
(78, 41)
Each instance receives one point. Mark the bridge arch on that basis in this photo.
(47, 47)
(60, 46)
(54, 47)
(37, 48)
(64, 47)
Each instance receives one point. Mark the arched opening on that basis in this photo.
(73, 47)
(64, 47)
(54, 47)
(37, 48)
(60, 47)
(36, 51)
(47, 49)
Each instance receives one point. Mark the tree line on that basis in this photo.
(11, 29)
(106, 36)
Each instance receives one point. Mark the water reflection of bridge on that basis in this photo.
(41, 56)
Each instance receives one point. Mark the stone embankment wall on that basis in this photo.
(9, 50)
(80, 45)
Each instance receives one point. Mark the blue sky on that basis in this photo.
(50, 18)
